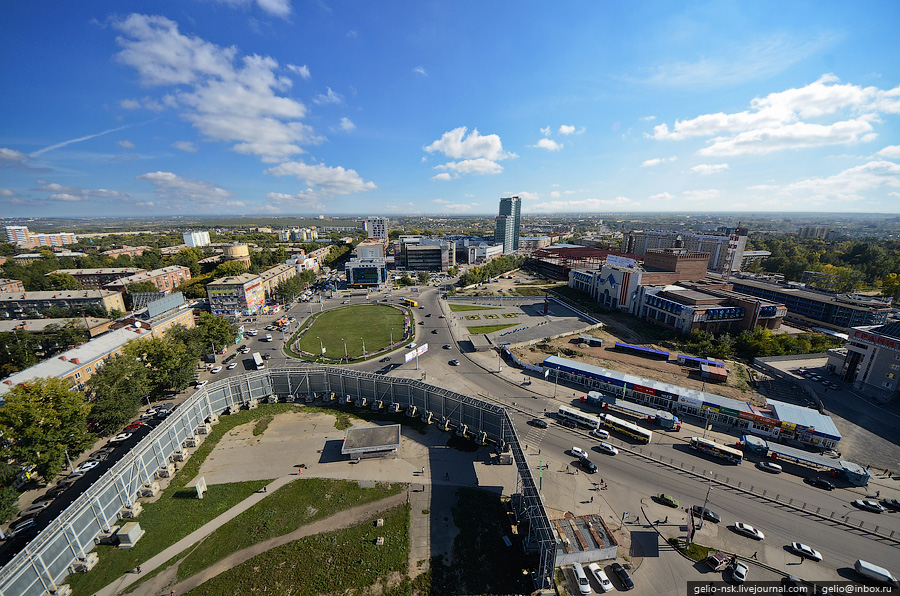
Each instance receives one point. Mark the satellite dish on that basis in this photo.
(137, 324)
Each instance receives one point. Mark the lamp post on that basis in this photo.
(321, 347)
(706, 500)
(364, 345)
(345, 349)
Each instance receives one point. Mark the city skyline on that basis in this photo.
(273, 107)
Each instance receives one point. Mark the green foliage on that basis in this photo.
(756, 343)
(288, 289)
(491, 269)
(262, 424)
(370, 323)
(216, 330)
(229, 268)
(41, 420)
(116, 391)
(890, 286)
(9, 502)
(856, 262)
(20, 349)
(62, 281)
(142, 287)
(423, 277)
(189, 257)
(340, 562)
(168, 362)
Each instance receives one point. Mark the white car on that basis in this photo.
(88, 465)
(578, 452)
(231, 366)
(200, 384)
(768, 466)
(600, 433)
(739, 572)
(600, 576)
(873, 506)
(217, 369)
(607, 448)
(748, 530)
(806, 551)
(119, 438)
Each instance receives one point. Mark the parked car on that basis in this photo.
(600, 433)
(266, 356)
(767, 466)
(873, 506)
(607, 448)
(667, 500)
(627, 583)
(21, 526)
(200, 384)
(589, 466)
(135, 425)
(88, 465)
(34, 509)
(120, 437)
(820, 483)
(748, 530)
(717, 561)
(806, 551)
(538, 422)
(600, 575)
(217, 369)
(739, 572)
(706, 513)
(232, 366)
(446, 346)
(891, 503)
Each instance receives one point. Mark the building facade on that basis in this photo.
(97, 278)
(270, 278)
(512, 207)
(239, 294)
(130, 251)
(870, 360)
(165, 279)
(724, 251)
(21, 236)
(363, 273)
(377, 227)
(11, 285)
(196, 239)
(484, 252)
(371, 249)
(18, 304)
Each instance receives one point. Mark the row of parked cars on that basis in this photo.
(584, 584)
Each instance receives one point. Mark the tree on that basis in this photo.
(423, 277)
(62, 281)
(229, 268)
(215, 330)
(890, 286)
(142, 286)
(189, 257)
(40, 422)
(116, 390)
(9, 496)
(169, 364)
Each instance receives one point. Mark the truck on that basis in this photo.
(663, 419)
(875, 573)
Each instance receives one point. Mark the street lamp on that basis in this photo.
(321, 346)
(706, 500)
(364, 345)
(345, 349)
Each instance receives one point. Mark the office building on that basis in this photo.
(196, 239)
(15, 305)
(377, 227)
(97, 278)
(725, 252)
(365, 272)
(236, 295)
(425, 254)
(165, 279)
(371, 249)
(870, 360)
(507, 224)
(484, 252)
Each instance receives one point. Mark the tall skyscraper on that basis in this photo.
(507, 224)
(377, 227)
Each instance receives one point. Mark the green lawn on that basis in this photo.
(294, 505)
(372, 324)
(489, 328)
(175, 503)
(341, 562)
(464, 307)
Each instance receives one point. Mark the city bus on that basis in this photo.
(723, 452)
(409, 302)
(578, 417)
(258, 361)
(626, 428)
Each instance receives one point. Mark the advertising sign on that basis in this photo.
(409, 356)
(421, 349)
(620, 261)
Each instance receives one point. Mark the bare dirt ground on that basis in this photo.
(737, 386)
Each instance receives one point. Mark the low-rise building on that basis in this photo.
(18, 304)
(166, 279)
(237, 294)
(11, 285)
(270, 278)
(131, 251)
(97, 278)
(484, 252)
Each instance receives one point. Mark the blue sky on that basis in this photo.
(280, 107)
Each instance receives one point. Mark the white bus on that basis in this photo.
(713, 449)
(258, 361)
(626, 428)
(578, 417)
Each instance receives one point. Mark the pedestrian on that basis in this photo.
(592, 498)
(137, 569)
(754, 555)
(567, 469)
(877, 493)
(423, 469)
(265, 489)
(447, 476)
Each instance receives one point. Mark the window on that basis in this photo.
(77, 376)
(890, 375)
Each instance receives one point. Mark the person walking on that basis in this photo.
(755, 553)
(592, 498)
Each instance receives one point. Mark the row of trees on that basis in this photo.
(757, 343)
(21, 349)
(288, 289)
(44, 419)
(491, 269)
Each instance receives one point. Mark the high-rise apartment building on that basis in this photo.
(725, 252)
(507, 224)
(21, 236)
(377, 227)
(193, 239)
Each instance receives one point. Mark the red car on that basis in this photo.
(134, 425)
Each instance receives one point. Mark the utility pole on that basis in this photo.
(705, 501)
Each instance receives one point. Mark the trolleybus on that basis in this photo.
(578, 417)
(711, 448)
(626, 428)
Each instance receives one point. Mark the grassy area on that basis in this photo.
(695, 552)
(482, 563)
(262, 424)
(464, 307)
(332, 563)
(292, 506)
(369, 324)
(179, 503)
(489, 328)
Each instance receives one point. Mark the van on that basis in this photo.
(875, 573)
(584, 584)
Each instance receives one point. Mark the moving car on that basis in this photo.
(589, 466)
(867, 505)
(748, 530)
(434, 331)
(134, 425)
(627, 583)
(607, 448)
(600, 576)
(767, 466)
(538, 422)
(442, 317)
(600, 433)
(446, 346)
(231, 366)
(266, 356)
(739, 572)
(120, 437)
(454, 362)
(385, 359)
(578, 452)
(22, 525)
(667, 500)
(806, 551)
(217, 369)
(717, 561)
(820, 483)
(706, 513)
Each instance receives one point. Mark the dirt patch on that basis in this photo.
(737, 387)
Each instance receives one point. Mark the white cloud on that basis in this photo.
(187, 146)
(346, 125)
(663, 196)
(77, 140)
(175, 192)
(126, 144)
(545, 131)
(322, 181)
(687, 195)
(647, 118)
(226, 97)
(890, 152)
(779, 121)
(526, 195)
(76, 193)
(330, 97)
(442, 176)
(657, 160)
(850, 184)
(478, 154)
(548, 144)
(67, 198)
(555, 194)
(705, 169)
(567, 129)
(10, 158)
(420, 70)
(130, 104)
(7, 192)
(276, 8)
(581, 205)
(303, 71)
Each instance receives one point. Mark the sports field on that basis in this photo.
(371, 324)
